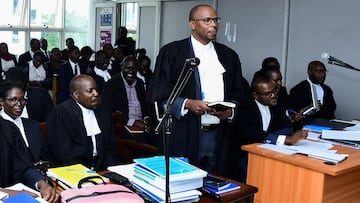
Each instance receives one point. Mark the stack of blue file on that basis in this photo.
(184, 179)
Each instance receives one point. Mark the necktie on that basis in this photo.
(46, 55)
(75, 70)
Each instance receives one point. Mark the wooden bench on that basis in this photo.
(129, 149)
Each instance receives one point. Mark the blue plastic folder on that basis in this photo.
(229, 188)
(156, 165)
(22, 197)
(316, 128)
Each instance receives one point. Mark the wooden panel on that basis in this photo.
(43, 129)
(343, 188)
(281, 182)
(292, 178)
(127, 149)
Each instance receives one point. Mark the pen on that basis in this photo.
(62, 184)
(212, 194)
(292, 111)
(81, 171)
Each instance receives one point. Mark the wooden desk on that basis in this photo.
(244, 195)
(300, 179)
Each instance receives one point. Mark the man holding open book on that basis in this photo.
(198, 130)
(301, 95)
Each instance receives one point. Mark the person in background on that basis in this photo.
(100, 73)
(55, 61)
(16, 167)
(127, 43)
(8, 60)
(86, 53)
(66, 52)
(39, 102)
(118, 56)
(83, 128)
(271, 67)
(144, 71)
(38, 75)
(198, 131)
(300, 94)
(44, 49)
(13, 101)
(28, 55)
(126, 93)
(259, 121)
(67, 71)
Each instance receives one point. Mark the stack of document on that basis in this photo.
(69, 176)
(150, 177)
(312, 149)
(348, 138)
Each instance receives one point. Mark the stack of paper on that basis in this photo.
(69, 176)
(312, 149)
(150, 176)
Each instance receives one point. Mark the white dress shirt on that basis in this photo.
(91, 125)
(18, 122)
(211, 76)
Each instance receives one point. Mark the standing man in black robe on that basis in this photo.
(198, 130)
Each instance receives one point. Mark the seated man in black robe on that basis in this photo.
(259, 121)
(300, 95)
(79, 130)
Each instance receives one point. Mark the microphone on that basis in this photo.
(192, 61)
(338, 62)
(332, 59)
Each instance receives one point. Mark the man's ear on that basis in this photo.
(254, 95)
(75, 94)
(192, 24)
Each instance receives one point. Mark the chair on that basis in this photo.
(43, 129)
(129, 149)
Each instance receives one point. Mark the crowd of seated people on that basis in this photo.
(94, 84)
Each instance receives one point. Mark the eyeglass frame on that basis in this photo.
(208, 21)
(15, 100)
(269, 94)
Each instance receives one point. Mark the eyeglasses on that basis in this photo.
(269, 94)
(14, 101)
(320, 71)
(208, 21)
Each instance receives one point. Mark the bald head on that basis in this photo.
(83, 90)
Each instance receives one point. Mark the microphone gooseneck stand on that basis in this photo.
(343, 64)
(165, 123)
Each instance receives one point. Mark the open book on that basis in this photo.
(134, 129)
(314, 106)
(221, 105)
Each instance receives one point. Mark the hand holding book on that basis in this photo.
(221, 105)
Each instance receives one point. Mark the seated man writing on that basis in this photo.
(259, 121)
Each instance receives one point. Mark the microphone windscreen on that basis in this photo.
(325, 55)
(197, 61)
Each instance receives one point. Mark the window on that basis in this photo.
(130, 19)
(55, 20)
